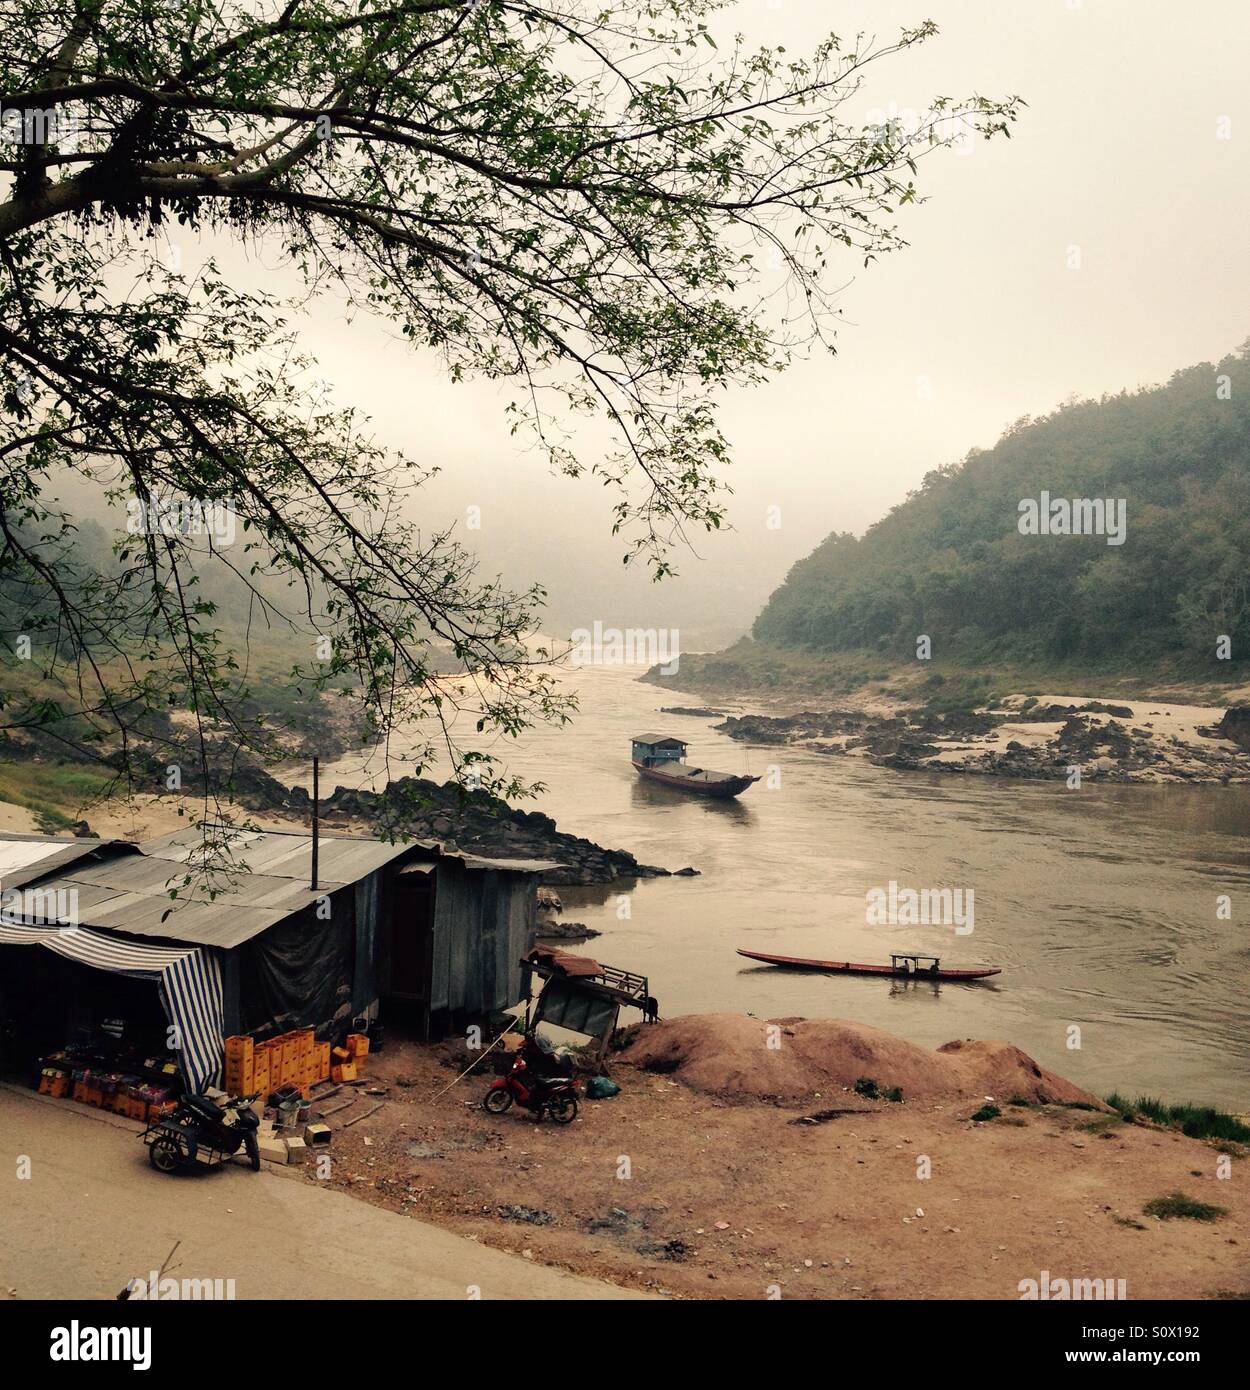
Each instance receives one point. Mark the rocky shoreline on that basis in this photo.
(474, 822)
(477, 823)
(1038, 738)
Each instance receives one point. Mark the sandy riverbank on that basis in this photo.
(691, 1182)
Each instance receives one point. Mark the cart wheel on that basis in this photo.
(563, 1110)
(253, 1151)
(165, 1154)
(497, 1101)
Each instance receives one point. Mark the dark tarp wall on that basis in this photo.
(365, 983)
(300, 972)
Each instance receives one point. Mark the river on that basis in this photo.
(1099, 904)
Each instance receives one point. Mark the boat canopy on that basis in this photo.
(659, 741)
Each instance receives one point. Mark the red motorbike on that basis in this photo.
(534, 1089)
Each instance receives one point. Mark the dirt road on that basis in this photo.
(92, 1215)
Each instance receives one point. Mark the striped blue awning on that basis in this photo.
(188, 978)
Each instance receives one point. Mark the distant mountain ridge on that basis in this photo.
(1166, 574)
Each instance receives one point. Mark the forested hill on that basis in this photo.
(951, 561)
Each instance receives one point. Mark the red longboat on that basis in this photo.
(899, 967)
(660, 758)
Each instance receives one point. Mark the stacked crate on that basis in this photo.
(261, 1069)
(240, 1068)
(54, 1082)
(291, 1059)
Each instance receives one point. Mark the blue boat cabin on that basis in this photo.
(653, 750)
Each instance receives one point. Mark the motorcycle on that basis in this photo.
(200, 1130)
(534, 1088)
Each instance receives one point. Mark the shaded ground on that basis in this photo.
(93, 1215)
(669, 1189)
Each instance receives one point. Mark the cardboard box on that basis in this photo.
(273, 1147)
(296, 1149)
(317, 1135)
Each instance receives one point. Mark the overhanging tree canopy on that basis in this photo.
(589, 200)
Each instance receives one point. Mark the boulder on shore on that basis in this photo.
(1235, 726)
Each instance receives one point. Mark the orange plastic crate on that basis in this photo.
(358, 1045)
(240, 1048)
(239, 1079)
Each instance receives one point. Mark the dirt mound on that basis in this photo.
(793, 1058)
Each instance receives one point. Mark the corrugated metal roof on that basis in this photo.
(133, 895)
(129, 891)
(419, 866)
(656, 739)
(24, 858)
(342, 858)
(288, 853)
(514, 866)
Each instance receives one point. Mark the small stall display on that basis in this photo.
(107, 1074)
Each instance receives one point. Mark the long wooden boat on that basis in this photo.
(899, 967)
(660, 758)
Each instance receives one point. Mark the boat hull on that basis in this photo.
(723, 790)
(849, 967)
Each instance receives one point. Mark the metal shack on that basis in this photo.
(436, 935)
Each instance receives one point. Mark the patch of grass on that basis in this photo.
(895, 1093)
(1129, 1222)
(1021, 1101)
(1101, 1125)
(1195, 1121)
(55, 791)
(1078, 1105)
(1179, 1206)
(866, 1086)
(986, 1112)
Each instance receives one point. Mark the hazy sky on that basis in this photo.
(978, 322)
